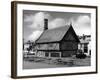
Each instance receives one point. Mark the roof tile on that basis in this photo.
(52, 35)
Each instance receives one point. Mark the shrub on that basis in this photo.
(81, 56)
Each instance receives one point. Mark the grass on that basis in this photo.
(35, 63)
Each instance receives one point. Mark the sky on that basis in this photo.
(33, 22)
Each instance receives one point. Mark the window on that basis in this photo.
(54, 54)
(47, 54)
(50, 45)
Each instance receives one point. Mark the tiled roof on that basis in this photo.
(52, 35)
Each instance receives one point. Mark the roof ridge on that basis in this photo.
(55, 34)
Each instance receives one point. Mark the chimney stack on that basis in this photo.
(45, 24)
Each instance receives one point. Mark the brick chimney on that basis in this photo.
(84, 37)
(45, 24)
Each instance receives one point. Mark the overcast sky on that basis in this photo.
(33, 22)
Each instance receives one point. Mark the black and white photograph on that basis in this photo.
(56, 39)
(53, 39)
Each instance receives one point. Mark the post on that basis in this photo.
(49, 55)
(60, 54)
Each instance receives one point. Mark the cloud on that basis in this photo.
(82, 25)
(35, 35)
(37, 20)
(58, 22)
(28, 18)
(85, 20)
